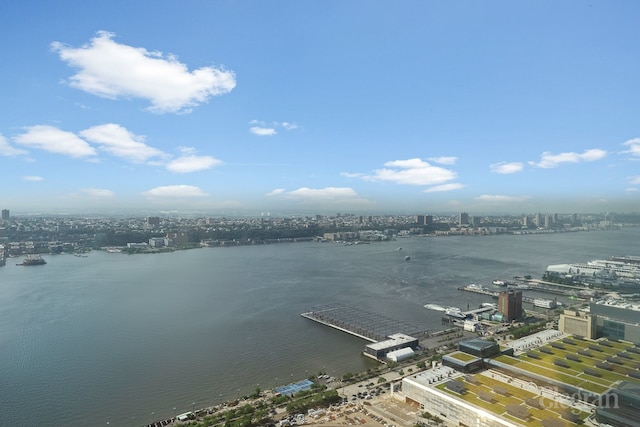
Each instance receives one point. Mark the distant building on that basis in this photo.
(538, 220)
(420, 219)
(156, 242)
(5, 214)
(525, 221)
(510, 305)
(153, 220)
(463, 219)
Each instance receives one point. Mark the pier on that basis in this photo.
(362, 324)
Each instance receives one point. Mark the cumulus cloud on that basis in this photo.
(548, 160)
(98, 193)
(8, 150)
(634, 180)
(500, 198)
(506, 167)
(118, 141)
(444, 160)
(175, 191)
(262, 131)
(634, 147)
(411, 172)
(112, 70)
(55, 140)
(33, 178)
(191, 162)
(262, 128)
(444, 187)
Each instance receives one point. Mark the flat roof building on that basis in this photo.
(379, 350)
(510, 305)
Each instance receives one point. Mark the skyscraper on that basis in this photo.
(5, 214)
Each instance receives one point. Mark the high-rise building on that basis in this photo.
(5, 214)
(510, 304)
(525, 221)
(538, 219)
(420, 219)
(463, 219)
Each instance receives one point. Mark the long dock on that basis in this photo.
(362, 324)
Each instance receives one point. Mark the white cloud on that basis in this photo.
(173, 191)
(9, 151)
(631, 189)
(444, 160)
(112, 70)
(506, 167)
(548, 160)
(634, 147)
(351, 175)
(276, 192)
(54, 140)
(500, 198)
(412, 172)
(444, 187)
(32, 178)
(190, 162)
(97, 193)
(118, 141)
(262, 128)
(262, 131)
(634, 180)
(327, 194)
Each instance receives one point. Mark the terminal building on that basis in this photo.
(381, 349)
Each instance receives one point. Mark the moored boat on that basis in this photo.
(33, 260)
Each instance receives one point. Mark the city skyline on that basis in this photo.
(320, 107)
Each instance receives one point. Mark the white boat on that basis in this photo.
(498, 282)
(490, 304)
(454, 312)
(544, 303)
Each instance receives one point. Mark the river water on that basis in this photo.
(127, 339)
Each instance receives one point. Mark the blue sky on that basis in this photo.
(320, 106)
